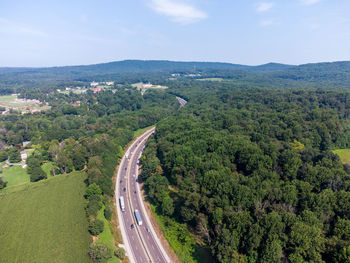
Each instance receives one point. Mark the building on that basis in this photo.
(94, 84)
(97, 90)
(24, 144)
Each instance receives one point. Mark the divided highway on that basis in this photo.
(141, 243)
(181, 101)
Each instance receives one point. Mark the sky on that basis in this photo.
(40, 33)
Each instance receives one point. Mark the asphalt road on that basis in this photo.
(181, 101)
(140, 241)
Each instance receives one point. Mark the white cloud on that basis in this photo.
(264, 6)
(309, 2)
(178, 12)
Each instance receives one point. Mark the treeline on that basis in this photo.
(252, 173)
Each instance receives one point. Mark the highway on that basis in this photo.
(181, 101)
(141, 243)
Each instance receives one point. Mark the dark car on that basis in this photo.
(132, 226)
(124, 189)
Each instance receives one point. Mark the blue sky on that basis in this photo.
(75, 32)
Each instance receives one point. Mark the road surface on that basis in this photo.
(141, 243)
(181, 101)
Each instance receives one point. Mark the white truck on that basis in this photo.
(121, 202)
(138, 217)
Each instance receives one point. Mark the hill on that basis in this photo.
(317, 74)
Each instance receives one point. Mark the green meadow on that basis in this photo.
(344, 155)
(45, 221)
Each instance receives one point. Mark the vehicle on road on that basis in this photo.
(138, 217)
(121, 202)
(132, 226)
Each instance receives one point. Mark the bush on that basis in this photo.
(14, 155)
(99, 253)
(120, 253)
(93, 189)
(37, 174)
(93, 207)
(96, 227)
(33, 163)
(55, 170)
(108, 213)
(3, 182)
(3, 156)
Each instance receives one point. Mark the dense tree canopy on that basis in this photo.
(252, 173)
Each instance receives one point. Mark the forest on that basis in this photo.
(252, 173)
(247, 165)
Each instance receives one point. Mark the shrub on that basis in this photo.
(37, 174)
(96, 227)
(99, 253)
(3, 156)
(108, 213)
(93, 189)
(93, 207)
(14, 155)
(120, 253)
(3, 182)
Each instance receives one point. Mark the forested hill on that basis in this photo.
(336, 74)
(252, 173)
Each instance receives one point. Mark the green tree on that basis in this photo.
(167, 205)
(3, 182)
(120, 253)
(14, 155)
(307, 243)
(99, 253)
(37, 174)
(3, 156)
(96, 227)
(93, 189)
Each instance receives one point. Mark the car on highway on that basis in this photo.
(132, 226)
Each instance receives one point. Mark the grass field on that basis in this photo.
(45, 222)
(344, 155)
(144, 87)
(15, 175)
(11, 101)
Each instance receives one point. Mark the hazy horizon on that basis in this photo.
(189, 61)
